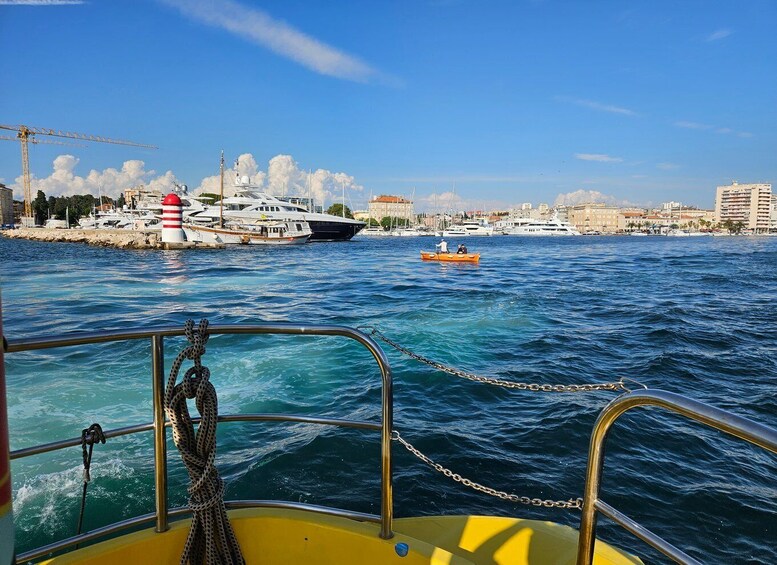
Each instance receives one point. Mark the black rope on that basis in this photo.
(211, 538)
(89, 436)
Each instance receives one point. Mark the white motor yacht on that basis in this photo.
(686, 233)
(251, 204)
(528, 226)
(405, 232)
(374, 231)
(467, 228)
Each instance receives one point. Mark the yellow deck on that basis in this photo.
(277, 536)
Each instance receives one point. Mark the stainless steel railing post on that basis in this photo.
(160, 436)
(737, 426)
(386, 480)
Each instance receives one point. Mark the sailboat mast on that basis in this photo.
(342, 185)
(221, 194)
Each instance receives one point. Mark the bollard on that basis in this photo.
(172, 215)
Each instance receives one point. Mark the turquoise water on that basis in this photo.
(694, 316)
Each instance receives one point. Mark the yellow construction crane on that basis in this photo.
(25, 135)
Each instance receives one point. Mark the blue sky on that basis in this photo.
(508, 102)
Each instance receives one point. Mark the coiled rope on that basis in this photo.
(211, 538)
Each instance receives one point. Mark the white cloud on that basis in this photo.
(260, 28)
(41, 2)
(667, 166)
(63, 180)
(691, 125)
(707, 127)
(285, 178)
(718, 35)
(588, 196)
(598, 106)
(598, 157)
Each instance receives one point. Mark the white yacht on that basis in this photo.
(467, 228)
(405, 232)
(686, 233)
(251, 204)
(529, 226)
(374, 231)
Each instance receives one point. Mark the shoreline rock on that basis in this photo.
(120, 239)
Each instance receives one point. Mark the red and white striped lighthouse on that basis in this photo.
(172, 216)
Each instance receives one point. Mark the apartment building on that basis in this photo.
(750, 204)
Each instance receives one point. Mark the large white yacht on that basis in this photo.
(251, 204)
(466, 228)
(529, 226)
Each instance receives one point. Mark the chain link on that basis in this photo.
(619, 385)
(572, 503)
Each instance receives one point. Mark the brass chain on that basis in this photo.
(572, 503)
(619, 385)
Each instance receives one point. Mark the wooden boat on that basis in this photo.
(268, 232)
(451, 257)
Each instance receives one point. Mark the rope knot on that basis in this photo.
(211, 538)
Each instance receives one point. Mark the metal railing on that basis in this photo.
(162, 513)
(757, 434)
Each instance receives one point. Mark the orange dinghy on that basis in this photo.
(452, 257)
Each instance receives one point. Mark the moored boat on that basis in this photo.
(450, 257)
(250, 233)
(467, 228)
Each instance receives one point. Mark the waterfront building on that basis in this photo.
(384, 206)
(750, 204)
(773, 214)
(6, 206)
(594, 217)
(631, 219)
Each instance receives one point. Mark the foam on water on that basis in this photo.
(694, 316)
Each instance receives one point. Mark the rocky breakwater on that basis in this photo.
(122, 239)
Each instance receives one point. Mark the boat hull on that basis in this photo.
(280, 536)
(238, 237)
(333, 231)
(451, 257)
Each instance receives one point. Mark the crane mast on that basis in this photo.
(23, 136)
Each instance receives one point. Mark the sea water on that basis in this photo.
(694, 316)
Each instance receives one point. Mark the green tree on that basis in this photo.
(389, 222)
(337, 210)
(40, 208)
(373, 223)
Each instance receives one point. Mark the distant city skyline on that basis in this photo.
(521, 102)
